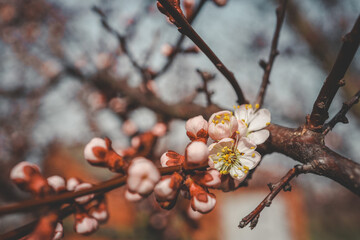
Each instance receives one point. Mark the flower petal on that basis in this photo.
(251, 161)
(259, 137)
(245, 145)
(237, 174)
(260, 119)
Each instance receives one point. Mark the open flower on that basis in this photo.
(234, 157)
(252, 121)
(222, 125)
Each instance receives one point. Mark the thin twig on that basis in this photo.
(280, 15)
(335, 79)
(33, 204)
(340, 116)
(123, 44)
(185, 28)
(181, 39)
(253, 217)
(206, 77)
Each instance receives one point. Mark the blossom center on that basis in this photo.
(229, 158)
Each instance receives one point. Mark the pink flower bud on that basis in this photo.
(18, 171)
(98, 152)
(132, 197)
(86, 198)
(142, 176)
(84, 224)
(72, 183)
(168, 188)
(195, 215)
(196, 154)
(159, 129)
(201, 200)
(220, 3)
(129, 127)
(95, 150)
(197, 129)
(171, 158)
(210, 178)
(118, 105)
(100, 212)
(167, 50)
(57, 183)
(28, 177)
(222, 125)
(59, 231)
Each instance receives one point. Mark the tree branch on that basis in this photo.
(340, 116)
(335, 80)
(181, 39)
(253, 217)
(67, 197)
(185, 28)
(280, 15)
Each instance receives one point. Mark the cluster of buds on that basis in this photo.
(226, 162)
(89, 210)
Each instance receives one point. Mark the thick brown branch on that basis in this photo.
(280, 14)
(185, 28)
(253, 217)
(181, 110)
(341, 115)
(308, 147)
(335, 80)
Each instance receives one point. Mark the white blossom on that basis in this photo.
(234, 157)
(251, 122)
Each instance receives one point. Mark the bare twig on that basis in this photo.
(340, 116)
(253, 217)
(267, 66)
(185, 28)
(123, 44)
(206, 77)
(335, 80)
(181, 39)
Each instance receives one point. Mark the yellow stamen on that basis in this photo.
(253, 155)
(218, 116)
(252, 147)
(246, 167)
(257, 106)
(222, 121)
(267, 124)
